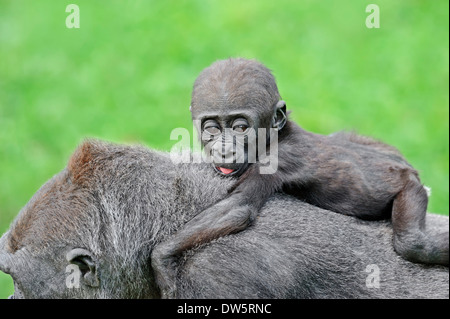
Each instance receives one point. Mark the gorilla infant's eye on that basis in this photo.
(211, 127)
(240, 125)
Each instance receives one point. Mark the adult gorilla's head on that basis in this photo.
(89, 231)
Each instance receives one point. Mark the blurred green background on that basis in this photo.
(126, 75)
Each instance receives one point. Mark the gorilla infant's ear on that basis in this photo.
(279, 118)
(86, 264)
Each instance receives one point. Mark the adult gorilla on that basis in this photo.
(90, 230)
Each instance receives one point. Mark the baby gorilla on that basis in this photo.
(238, 99)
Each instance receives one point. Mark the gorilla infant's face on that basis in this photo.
(227, 141)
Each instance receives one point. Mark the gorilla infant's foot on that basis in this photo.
(425, 248)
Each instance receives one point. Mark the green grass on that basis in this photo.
(127, 73)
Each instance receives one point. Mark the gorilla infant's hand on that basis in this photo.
(164, 268)
(226, 217)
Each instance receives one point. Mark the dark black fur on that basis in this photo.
(343, 172)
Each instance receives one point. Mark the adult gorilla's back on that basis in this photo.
(117, 202)
(296, 250)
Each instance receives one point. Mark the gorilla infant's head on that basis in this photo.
(232, 100)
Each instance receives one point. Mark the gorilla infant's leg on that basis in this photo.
(411, 238)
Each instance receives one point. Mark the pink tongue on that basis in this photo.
(226, 171)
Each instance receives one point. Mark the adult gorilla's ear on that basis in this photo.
(86, 266)
(279, 118)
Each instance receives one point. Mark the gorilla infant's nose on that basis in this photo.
(228, 149)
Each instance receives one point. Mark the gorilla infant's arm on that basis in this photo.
(237, 109)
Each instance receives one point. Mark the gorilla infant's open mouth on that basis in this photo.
(225, 171)
(230, 171)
